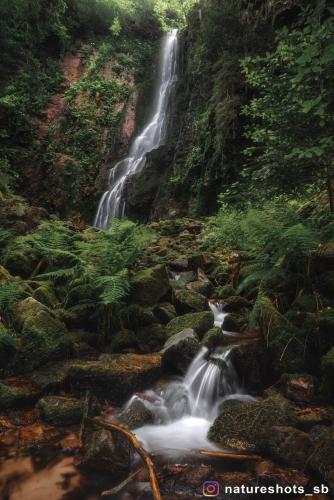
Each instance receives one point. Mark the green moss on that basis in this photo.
(46, 295)
(205, 288)
(60, 410)
(224, 292)
(189, 301)
(135, 316)
(200, 322)
(149, 286)
(151, 338)
(8, 347)
(212, 337)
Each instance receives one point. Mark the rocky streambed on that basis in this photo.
(183, 309)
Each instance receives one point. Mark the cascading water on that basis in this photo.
(152, 137)
(184, 409)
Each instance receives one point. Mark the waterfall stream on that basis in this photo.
(153, 135)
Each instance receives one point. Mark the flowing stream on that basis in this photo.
(153, 135)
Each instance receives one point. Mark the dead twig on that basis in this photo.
(122, 485)
(216, 454)
(145, 456)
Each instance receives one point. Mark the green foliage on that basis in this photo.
(10, 293)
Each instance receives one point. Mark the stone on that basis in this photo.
(151, 338)
(45, 294)
(15, 392)
(235, 322)
(149, 286)
(60, 410)
(250, 361)
(107, 452)
(165, 312)
(136, 414)
(135, 316)
(27, 309)
(327, 369)
(203, 287)
(213, 337)
(309, 417)
(117, 376)
(185, 278)
(121, 341)
(236, 303)
(269, 473)
(8, 348)
(52, 376)
(249, 425)
(299, 388)
(200, 322)
(187, 301)
(180, 350)
(290, 446)
(322, 458)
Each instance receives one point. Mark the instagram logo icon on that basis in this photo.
(211, 489)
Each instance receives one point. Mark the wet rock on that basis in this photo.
(117, 376)
(180, 350)
(312, 416)
(165, 312)
(236, 303)
(235, 322)
(299, 388)
(185, 278)
(107, 452)
(202, 287)
(151, 338)
(213, 337)
(187, 301)
(136, 414)
(59, 410)
(249, 425)
(14, 392)
(149, 286)
(52, 376)
(200, 322)
(250, 361)
(269, 473)
(322, 458)
(289, 445)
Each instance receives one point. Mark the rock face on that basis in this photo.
(200, 322)
(116, 377)
(149, 286)
(136, 414)
(249, 425)
(107, 452)
(180, 350)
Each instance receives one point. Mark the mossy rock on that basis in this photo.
(224, 292)
(59, 410)
(249, 425)
(327, 369)
(151, 338)
(8, 347)
(235, 303)
(136, 415)
(15, 393)
(200, 322)
(81, 293)
(322, 458)
(46, 295)
(27, 309)
(235, 322)
(213, 337)
(122, 340)
(5, 275)
(187, 301)
(165, 312)
(149, 286)
(205, 288)
(135, 316)
(180, 349)
(21, 261)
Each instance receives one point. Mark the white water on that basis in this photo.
(185, 409)
(219, 313)
(152, 137)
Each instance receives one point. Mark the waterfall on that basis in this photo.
(184, 409)
(153, 136)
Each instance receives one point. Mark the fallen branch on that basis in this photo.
(146, 457)
(122, 485)
(215, 454)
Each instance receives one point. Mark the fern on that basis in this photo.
(10, 293)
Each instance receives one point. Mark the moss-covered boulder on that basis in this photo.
(289, 445)
(59, 410)
(151, 338)
(8, 347)
(165, 312)
(213, 337)
(327, 369)
(149, 286)
(135, 316)
(180, 350)
(322, 458)
(46, 295)
(200, 322)
(136, 414)
(250, 360)
(117, 376)
(187, 301)
(249, 425)
(20, 259)
(203, 287)
(27, 309)
(15, 392)
(122, 341)
(236, 303)
(235, 322)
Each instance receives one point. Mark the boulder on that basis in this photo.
(8, 348)
(117, 376)
(322, 458)
(151, 338)
(312, 416)
(180, 350)
(203, 287)
(165, 312)
(27, 309)
(235, 322)
(213, 337)
(136, 414)
(122, 341)
(45, 294)
(52, 376)
(184, 278)
(299, 388)
(270, 474)
(107, 452)
(200, 322)
(59, 410)
(149, 286)
(288, 445)
(249, 425)
(15, 392)
(250, 361)
(135, 316)
(236, 303)
(187, 301)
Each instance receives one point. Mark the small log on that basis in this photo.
(122, 485)
(145, 456)
(215, 454)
